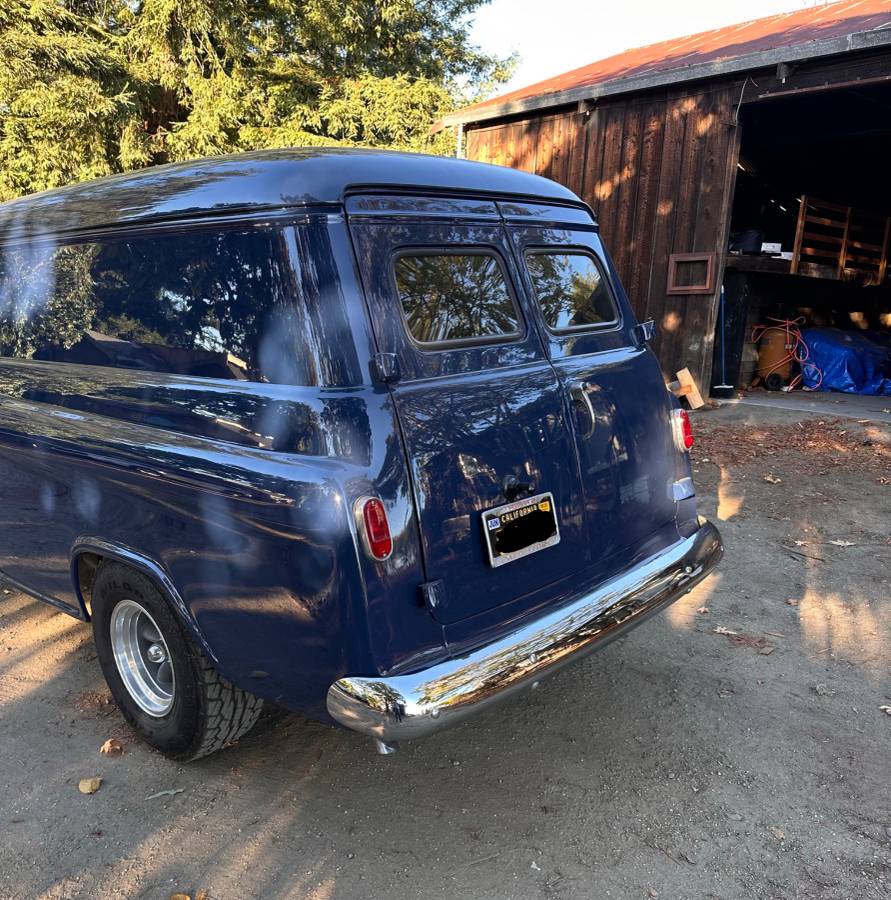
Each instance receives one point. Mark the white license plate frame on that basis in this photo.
(490, 531)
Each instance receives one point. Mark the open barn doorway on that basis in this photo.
(810, 245)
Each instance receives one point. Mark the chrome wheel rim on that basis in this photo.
(142, 657)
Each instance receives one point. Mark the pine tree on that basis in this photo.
(91, 87)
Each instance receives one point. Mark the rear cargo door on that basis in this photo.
(619, 399)
(482, 412)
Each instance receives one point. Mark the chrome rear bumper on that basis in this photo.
(403, 707)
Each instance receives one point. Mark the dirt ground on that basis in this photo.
(732, 747)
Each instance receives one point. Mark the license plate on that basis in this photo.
(517, 529)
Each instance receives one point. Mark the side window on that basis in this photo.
(570, 289)
(455, 298)
(219, 304)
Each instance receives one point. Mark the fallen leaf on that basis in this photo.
(766, 651)
(702, 610)
(179, 896)
(169, 793)
(756, 642)
(200, 895)
(112, 747)
(791, 602)
(778, 833)
(842, 543)
(772, 479)
(886, 710)
(89, 785)
(535, 866)
(800, 543)
(823, 690)
(720, 629)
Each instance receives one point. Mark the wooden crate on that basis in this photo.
(841, 241)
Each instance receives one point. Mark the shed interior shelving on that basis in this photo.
(813, 177)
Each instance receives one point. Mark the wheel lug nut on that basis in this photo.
(156, 653)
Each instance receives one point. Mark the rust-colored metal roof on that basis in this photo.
(818, 23)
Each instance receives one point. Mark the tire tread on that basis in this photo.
(225, 712)
(229, 711)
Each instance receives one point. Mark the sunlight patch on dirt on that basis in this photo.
(43, 648)
(730, 500)
(683, 613)
(846, 628)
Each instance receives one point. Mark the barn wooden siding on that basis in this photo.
(659, 174)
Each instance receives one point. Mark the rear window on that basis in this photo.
(570, 289)
(450, 298)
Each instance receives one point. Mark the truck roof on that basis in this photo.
(267, 180)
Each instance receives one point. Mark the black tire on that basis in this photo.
(207, 712)
(774, 382)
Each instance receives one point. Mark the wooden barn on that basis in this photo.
(754, 158)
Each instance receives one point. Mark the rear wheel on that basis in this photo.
(163, 684)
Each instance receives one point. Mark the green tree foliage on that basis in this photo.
(454, 297)
(569, 289)
(46, 297)
(92, 87)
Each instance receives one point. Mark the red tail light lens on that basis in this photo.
(375, 527)
(683, 432)
(686, 430)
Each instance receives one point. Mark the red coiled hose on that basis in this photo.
(797, 349)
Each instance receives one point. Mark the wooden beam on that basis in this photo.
(883, 263)
(822, 75)
(820, 88)
(822, 238)
(688, 388)
(799, 234)
(843, 253)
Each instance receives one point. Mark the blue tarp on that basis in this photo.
(854, 362)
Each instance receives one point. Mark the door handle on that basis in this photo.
(644, 332)
(581, 398)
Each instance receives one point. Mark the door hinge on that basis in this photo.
(385, 368)
(433, 594)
